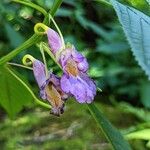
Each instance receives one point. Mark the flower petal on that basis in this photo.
(79, 88)
(39, 72)
(81, 61)
(54, 40)
(83, 65)
(54, 97)
(89, 81)
(65, 84)
(65, 56)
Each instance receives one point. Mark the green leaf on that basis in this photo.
(63, 12)
(142, 114)
(33, 39)
(13, 95)
(112, 134)
(142, 134)
(26, 12)
(112, 48)
(136, 26)
(145, 94)
(14, 37)
(148, 1)
(88, 24)
(148, 144)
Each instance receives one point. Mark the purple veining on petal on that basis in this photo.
(39, 72)
(81, 61)
(66, 84)
(49, 88)
(91, 87)
(81, 87)
(65, 55)
(74, 81)
(83, 66)
(43, 94)
(89, 81)
(54, 40)
(71, 53)
(54, 79)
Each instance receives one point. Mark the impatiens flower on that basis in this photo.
(75, 80)
(81, 86)
(49, 88)
(72, 61)
(54, 40)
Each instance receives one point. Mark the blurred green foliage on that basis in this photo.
(14, 95)
(95, 31)
(76, 130)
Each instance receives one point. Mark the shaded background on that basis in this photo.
(95, 31)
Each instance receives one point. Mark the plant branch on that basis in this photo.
(30, 4)
(34, 97)
(33, 39)
(19, 65)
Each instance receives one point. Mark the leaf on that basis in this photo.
(14, 37)
(140, 113)
(148, 1)
(136, 26)
(95, 72)
(148, 144)
(13, 95)
(145, 94)
(142, 134)
(85, 23)
(63, 12)
(26, 12)
(112, 48)
(112, 134)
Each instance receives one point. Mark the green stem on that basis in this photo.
(44, 59)
(99, 90)
(115, 138)
(34, 97)
(55, 6)
(60, 34)
(19, 65)
(104, 2)
(30, 4)
(32, 40)
(46, 49)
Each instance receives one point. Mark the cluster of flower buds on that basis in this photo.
(74, 82)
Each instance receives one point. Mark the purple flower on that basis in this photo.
(81, 87)
(54, 40)
(49, 88)
(70, 57)
(75, 80)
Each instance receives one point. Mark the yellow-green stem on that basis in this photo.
(33, 39)
(34, 97)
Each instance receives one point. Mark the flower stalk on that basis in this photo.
(33, 39)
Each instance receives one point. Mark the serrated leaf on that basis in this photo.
(136, 26)
(112, 134)
(13, 95)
